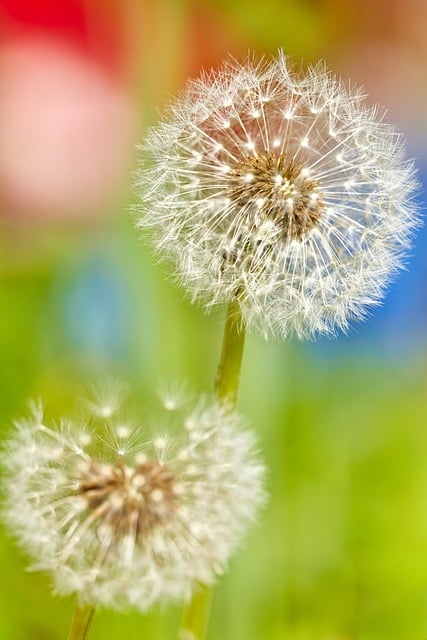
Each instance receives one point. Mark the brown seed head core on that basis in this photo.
(129, 501)
(280, 190)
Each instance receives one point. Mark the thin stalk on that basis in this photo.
(195, 617)
(81, 622)
(228, 374)
(196, 614)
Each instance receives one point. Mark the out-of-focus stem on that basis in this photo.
(228, 374)
(196, 613)
(81, 622)
(195, 617)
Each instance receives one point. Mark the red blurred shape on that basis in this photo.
(48, 13)
(97, 28)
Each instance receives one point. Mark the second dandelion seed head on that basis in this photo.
(126, 518)
(129, 501)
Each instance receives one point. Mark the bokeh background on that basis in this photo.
(341, 551)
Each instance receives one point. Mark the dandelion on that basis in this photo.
(125, 518)
(280, 190)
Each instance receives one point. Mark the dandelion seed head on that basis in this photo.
(139, 523)
(306, 158)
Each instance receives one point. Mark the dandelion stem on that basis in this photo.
(81, 622)
(195, 617)
(228, 374)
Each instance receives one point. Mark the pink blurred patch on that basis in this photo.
(66, 130)
(391, 75)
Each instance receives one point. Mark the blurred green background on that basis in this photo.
(341, 550)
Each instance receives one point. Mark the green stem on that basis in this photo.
(195, 617)
(81, 622)
(228, 374)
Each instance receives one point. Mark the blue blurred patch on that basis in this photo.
(96, 308)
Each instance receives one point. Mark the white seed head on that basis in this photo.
(134, 526)
(305, 153)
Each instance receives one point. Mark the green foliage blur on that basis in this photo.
(340, 552)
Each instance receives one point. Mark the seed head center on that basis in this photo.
(280, 190)
(129, 501)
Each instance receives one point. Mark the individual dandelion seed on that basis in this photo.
(280, 190)
(124, 518)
